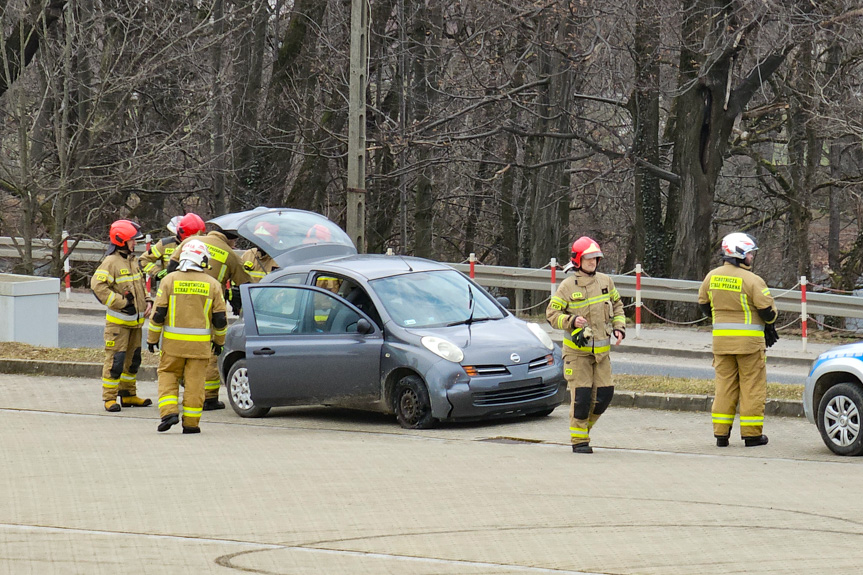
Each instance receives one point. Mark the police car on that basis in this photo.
(833, 398)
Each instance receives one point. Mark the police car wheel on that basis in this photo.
(239, 393)
(411, 403)
(839, 419)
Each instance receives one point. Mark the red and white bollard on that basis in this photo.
(67, 265)
(804, 317)
(637, 301)
(148, 239)
(553, 265)
(472, 260)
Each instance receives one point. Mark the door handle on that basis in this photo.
(264, 351)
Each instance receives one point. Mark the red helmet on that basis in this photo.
(123, 231)
(318, 233)
(584, 247)
(266, 229)
(190, 225)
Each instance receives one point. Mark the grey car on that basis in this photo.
(391, 334)
(833, 398)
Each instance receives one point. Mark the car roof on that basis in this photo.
(288, 235)
(369, 266)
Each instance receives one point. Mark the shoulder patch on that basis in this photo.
(577, 295)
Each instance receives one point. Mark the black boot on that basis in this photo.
(213, 404)
(582, 448)
(191, 429)
(169, 421)
(721, 441)
(755, 441)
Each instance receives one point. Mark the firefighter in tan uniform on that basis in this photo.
(256, 261)
(224, 266)
(191, 321)
(154, 262)
(588, 309)
(743, 313)
(119, 284)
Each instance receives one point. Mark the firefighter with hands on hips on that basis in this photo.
(743, 314)
(587, 307)
(119, 284)
(256, 261)
(223, 266)
(190, 319)
(154, 262)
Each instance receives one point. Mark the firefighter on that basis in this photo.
(154, 262)
(118, 283)
(224, 266)
(588, 309)
(256, 261)
(729, 295)
(190, 320)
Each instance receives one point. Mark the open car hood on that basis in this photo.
(289, 236)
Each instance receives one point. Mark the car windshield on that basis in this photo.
(434, 299)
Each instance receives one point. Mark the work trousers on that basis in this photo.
(122, 360)
(211, 380)
(171, 369)
(588, 378)
(743, 378)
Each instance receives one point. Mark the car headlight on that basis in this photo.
(541, 335)
(443, 348)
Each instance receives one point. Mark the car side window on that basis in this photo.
(331, 316)
(278, 310)
(292, 279)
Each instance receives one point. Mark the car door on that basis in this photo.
(302, 347)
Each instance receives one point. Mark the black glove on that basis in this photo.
(235, 300)
(579, 337)
(161, 274)
(770, 335)
(129, 308)
(217, 349)
(152, 347)
(619, 333)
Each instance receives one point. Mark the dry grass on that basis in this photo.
(653, 384)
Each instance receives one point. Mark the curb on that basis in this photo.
(622, 398)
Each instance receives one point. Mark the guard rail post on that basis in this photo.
(472, 259)
(803, 316)
(637, 301)
(67, 265)
(148, 239)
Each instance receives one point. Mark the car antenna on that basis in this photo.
(410, 269)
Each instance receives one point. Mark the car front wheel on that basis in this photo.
(839, 415)
(239, 393)
(412, 405)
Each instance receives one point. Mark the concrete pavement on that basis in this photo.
(330, 491)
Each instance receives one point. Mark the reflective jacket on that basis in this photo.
(188, 315)
(117, 275)
(735, 295)
(594, 298)
(258, 264)
(224, 263)
(157, 257)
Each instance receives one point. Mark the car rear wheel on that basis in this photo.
(239, 393)
(839, 415)
(412, 405)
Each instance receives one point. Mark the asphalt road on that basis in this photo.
(86, 331)
(311, 490)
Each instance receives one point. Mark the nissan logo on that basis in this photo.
(515, 358)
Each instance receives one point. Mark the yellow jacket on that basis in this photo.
(188, 315)
(735, 295)
(157, 257)
(224, 263)
(594, 298)
(117, 275)
(258, 264)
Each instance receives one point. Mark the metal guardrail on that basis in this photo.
(538, 280)
(662, 289)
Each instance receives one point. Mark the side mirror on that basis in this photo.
(504, 301)
(364, 327)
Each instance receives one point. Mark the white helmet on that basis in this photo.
(172, 225)
(737, 245)
(194, 256)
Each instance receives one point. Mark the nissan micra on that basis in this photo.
(393, 334)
